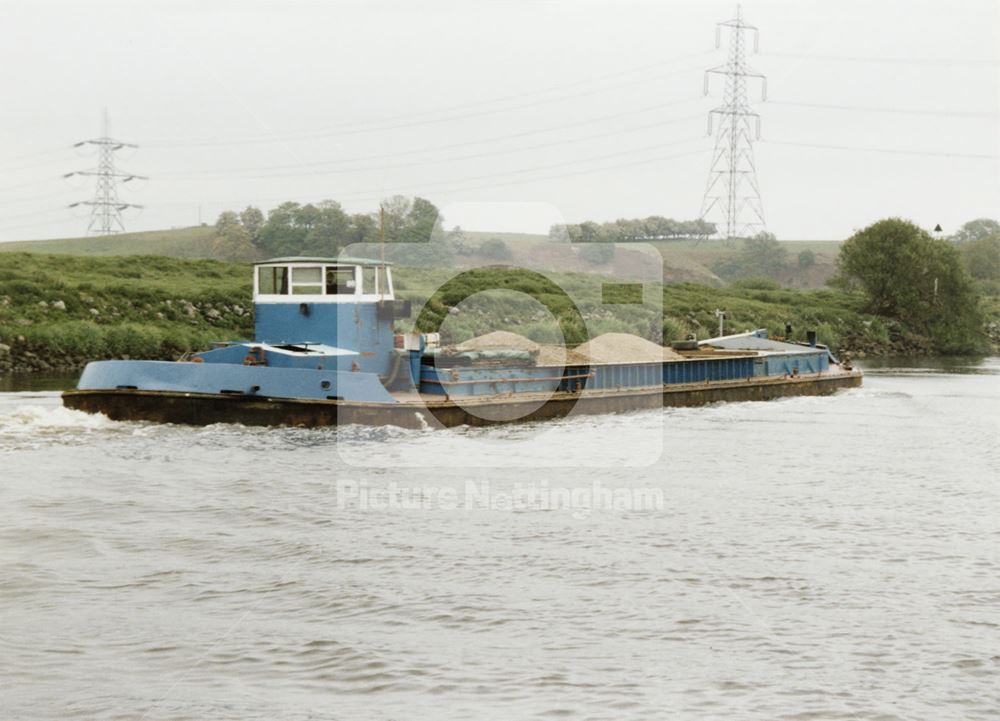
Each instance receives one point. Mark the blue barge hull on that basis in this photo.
(422, 411)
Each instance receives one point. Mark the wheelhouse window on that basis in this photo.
(323, 280)
(340, 281)
(307, 281)
(272, 280)
(384, 283)
(368, 280)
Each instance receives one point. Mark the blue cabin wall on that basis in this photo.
(351, 326)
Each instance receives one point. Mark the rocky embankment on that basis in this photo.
(60, 336)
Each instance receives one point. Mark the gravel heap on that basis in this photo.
(545, 355)
(557, 355)
(607, 348)
(624, 348)
(497, 340)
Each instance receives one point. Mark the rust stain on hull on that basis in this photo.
(206, 409)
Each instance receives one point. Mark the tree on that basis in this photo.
(329, 229)
(392, 218)
(598, 253)
(634, 230)
(459, 241)
(559, 233)
(495, 249)
(807, 259)
(363, 228)
(233, 244)
(253, 220)
(981, 258)
(587, 232)
(421, 221)
(281, 235)
(227, 219)
(761, 256)
(908, 275)
(976, 229)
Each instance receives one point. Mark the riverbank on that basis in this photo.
(58, 312)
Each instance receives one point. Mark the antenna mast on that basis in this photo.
(105, 208)
(732, 193)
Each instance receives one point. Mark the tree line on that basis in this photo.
(634, 230)
(320, 229)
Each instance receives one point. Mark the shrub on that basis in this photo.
(495, 249)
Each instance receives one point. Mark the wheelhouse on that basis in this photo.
(322, 280)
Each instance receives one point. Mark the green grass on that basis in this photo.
(71, 308)
(193, 242)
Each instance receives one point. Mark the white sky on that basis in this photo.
(509, 115)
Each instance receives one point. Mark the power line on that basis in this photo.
(898, 111)
(32, 156)
(243, 172)
(889, 61)
(63, 192)
(105, 208)
(891, 151)
(363, 127)
(732, 193)
(47, 223)
(462, 183)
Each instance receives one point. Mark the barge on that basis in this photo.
(326, 352)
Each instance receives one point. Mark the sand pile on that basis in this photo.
(607, 348)
(544, 355)
(624, 348)
(499, 340)
(556, 355)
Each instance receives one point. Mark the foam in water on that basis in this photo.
(27, 419)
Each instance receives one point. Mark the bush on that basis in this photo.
(757, 283)
(909, 276)
(495, 249)
(672, 330)
(598, 253)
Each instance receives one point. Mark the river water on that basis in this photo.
(809, 558)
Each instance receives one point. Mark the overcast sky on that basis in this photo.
(508, 115)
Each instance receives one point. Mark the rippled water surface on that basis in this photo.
(810, 558)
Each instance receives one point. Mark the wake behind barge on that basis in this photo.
(325, 353)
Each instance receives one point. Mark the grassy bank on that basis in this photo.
(60, 311)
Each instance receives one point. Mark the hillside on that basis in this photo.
(684, 261)
(193, 242)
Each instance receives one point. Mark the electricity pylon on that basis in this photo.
(732, 193)
(105, 208)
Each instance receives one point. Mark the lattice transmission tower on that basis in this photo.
(105, 208)
(732, 195)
